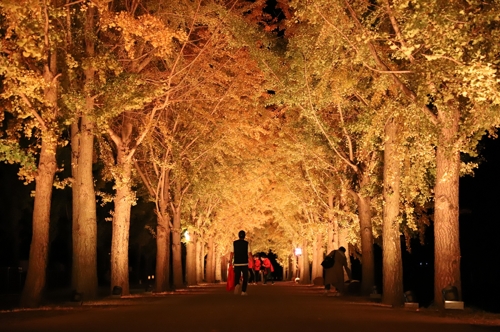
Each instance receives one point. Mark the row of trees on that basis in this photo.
(310, 124)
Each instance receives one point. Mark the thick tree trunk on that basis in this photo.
(176, 238)
(191, 261)
(446, 229)
(218, 268)
(305, 274)
(121, 225)
(330, 245)
(162, 253)
(37, 266)
(224, 271)
(44, 180)
(210, 275)
(84, 269)
(392, 260)
(317, 269)
(199, 260)
(296, 261)
(368, 263)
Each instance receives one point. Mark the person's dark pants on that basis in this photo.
(256, 273)
(238, 271)
(252, 277)
(268, 276)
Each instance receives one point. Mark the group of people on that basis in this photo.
(248, 267)
(260, 268)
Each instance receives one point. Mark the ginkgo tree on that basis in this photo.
(30, 64)
(145, 46)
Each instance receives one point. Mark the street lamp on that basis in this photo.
(187, 237)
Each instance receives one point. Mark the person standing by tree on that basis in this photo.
(334, 276)
(241, 255)
(269, 269)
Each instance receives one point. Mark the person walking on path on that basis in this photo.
(334, 276)
(241, 255)
(269, 269)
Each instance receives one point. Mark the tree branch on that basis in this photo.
(34, 112)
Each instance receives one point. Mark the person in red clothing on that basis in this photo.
(256, 268)
(251, 279)
(269, 269)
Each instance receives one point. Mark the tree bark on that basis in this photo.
(330, 245)
(446, 229)
(218, 268)
(37, 266)
(191, 261)
(84, 228)
(44, 180)
(162, 253)
(392, 260)
(84, 268)
(368, 263)
(318, 257)
(210, 275)
(121, 225)
(199, 260)
(305, 274)
(176, 238)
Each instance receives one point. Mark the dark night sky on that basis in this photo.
(480, 230)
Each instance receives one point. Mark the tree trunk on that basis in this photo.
(330, 245)
(446, 229)
(224, 263)
(162, 253)
(199, 260)
(121, 225)
(210, 276)
(37, 266)
(191, 261)
(368, 263)
(305, 274)
(176, 238)
(296, 261)
(218, 268)
(44, 180)
(84, 268)
(318, 257)
(392, 260)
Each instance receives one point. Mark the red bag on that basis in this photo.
(230, 279)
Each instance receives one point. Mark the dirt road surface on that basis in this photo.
(286, 307)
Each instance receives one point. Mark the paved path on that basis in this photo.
(271, 308)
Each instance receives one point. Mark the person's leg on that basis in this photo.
(252, 277)
(269, 275)
(237, 275)
(245, 278)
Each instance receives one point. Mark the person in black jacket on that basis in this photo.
(334, 276)
(241, 255)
